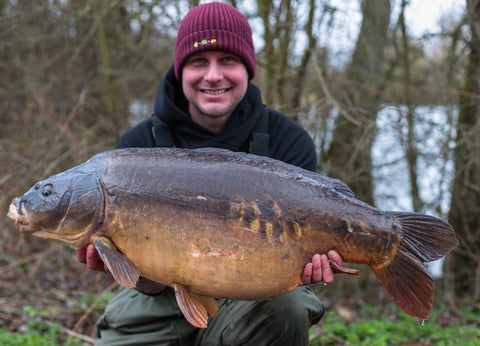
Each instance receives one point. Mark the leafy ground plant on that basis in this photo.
(35, 333)
(398, 329)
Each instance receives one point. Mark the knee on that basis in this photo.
(296, 312)
(301, 306)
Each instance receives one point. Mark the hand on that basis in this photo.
(90, 256)
(319, 269)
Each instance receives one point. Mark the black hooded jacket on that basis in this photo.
(288, 141)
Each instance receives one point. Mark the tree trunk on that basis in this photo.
(464, 262)
(349, 155)
(301, 71)
(411, 143)
(106, 63)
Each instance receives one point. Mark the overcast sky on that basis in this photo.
(422, 16)
(425, 15)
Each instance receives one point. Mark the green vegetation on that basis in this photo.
(43, 326)
(401, 330)
(36, 333)
(372, 328)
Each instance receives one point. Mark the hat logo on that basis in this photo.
(204, 42)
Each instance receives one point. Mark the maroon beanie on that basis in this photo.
(215, 26)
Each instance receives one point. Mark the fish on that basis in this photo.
(213, 223)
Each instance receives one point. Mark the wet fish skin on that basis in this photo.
(205, 221)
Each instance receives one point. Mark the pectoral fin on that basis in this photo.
(124, 271)
(195, 307)
(342, 270)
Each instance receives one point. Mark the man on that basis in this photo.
(206, 100)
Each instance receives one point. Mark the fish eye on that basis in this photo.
(47, 190)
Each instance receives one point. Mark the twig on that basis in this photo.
(331, 100)
(38, 255)
(338, 340)
(93, 305)
(73, 333)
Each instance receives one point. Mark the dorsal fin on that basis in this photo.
(341, 187)
(217, 151)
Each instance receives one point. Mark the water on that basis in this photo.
(435, 133)
(435, 141)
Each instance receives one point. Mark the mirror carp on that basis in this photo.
(218, 224)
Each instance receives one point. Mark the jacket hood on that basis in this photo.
(171, 106)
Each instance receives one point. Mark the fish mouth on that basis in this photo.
(20, 217)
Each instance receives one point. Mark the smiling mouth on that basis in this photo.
(215, 92)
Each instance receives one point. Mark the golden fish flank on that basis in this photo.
(232, 255)
(205, 221)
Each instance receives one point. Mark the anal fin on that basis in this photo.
(124, 271)
(195, 307)
(408, 283)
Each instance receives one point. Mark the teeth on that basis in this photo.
(214, 92)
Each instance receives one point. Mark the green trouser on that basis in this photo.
(133, 318)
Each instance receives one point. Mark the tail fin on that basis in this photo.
(405, 279)
(427, 237)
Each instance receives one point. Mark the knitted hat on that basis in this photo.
(215, 26)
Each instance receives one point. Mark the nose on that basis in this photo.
(214, 73)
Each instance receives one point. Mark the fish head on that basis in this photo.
(64, 207)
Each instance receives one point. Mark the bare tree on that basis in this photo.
(411, 148)
(465, 206)
(349, 156)
(72, 71)
(283, 65)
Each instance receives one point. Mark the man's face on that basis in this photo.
(214, 82)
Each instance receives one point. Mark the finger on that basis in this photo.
(93, 262)
(317, 273)
(81, 255)
(335, 257)
(326, 269)
(307, 274)
(91, 252)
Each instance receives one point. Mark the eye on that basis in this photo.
(197, 61)
(47, 190)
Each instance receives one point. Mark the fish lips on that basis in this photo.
(17, 213)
